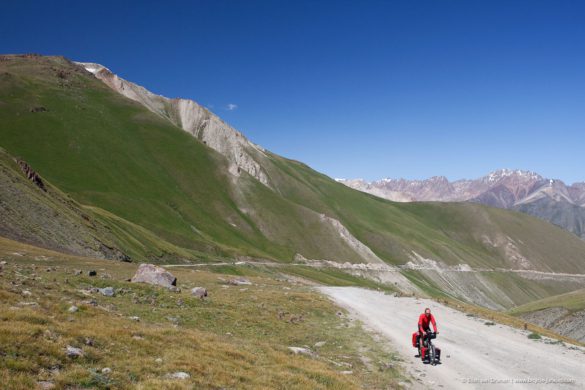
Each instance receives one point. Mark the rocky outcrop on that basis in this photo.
(31, 174)
(194, 119)
(33, 211)
(155, 275)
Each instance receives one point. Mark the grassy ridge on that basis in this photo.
(572, 301)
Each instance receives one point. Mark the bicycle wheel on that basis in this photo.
(432, 354)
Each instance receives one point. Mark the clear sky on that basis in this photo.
(365, 89)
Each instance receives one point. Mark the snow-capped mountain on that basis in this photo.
(526, 191)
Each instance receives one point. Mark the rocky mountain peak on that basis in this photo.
(194, 119)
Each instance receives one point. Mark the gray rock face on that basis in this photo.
(194, 119)
(155, 275)
(199, 292)
(560, 320)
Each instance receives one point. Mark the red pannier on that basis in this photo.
(415, 339)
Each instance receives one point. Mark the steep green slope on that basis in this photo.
(110, 152)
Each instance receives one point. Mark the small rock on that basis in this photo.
(73, 352)
(77, 272)
(158, 360)
(106, 370)
(346, 372)
(92, 273)
(45, 385)
(179, 375)
(134, 318)
(319, 344)
(199, 292)
(107, 291)
(239, 282)
(88, 341)
(301, 351)
(174, 320)
(26, 293)
(73, 309)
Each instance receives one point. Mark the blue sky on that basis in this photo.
(366, 89)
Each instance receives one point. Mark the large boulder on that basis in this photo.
(155, 275)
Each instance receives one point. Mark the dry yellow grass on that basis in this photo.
(236, 339)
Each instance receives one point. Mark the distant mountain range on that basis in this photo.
(525, 191)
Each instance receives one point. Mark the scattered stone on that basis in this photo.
(319, 344)
(174, 320)
(239, 282)
(73, 309)
(174, 289)
(78, 272)
(88, 341)
(199, 292)
(92, 273)
(137, 337)
(73, 352)
(29, 304)
(45, 385)
(346, 372)
(155, 275)
(107, 291)
(301, 351)
(179, 375)
(158, 360)
(106, 370)
(38, 109)
(26, 293)
(135, 318)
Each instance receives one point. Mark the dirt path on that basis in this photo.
(474, 355)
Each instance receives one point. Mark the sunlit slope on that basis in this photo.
(113, 154)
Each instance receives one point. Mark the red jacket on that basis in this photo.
(424, 323)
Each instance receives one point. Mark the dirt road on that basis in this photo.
(475, 355)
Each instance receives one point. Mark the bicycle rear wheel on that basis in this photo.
(432, 354)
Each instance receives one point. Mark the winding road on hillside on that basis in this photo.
(475, 355)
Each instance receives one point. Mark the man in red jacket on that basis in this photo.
(424, 326)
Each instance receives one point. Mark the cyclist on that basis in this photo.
(424, 326)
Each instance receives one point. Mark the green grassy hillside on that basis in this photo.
(572, 301)
(165, 196)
